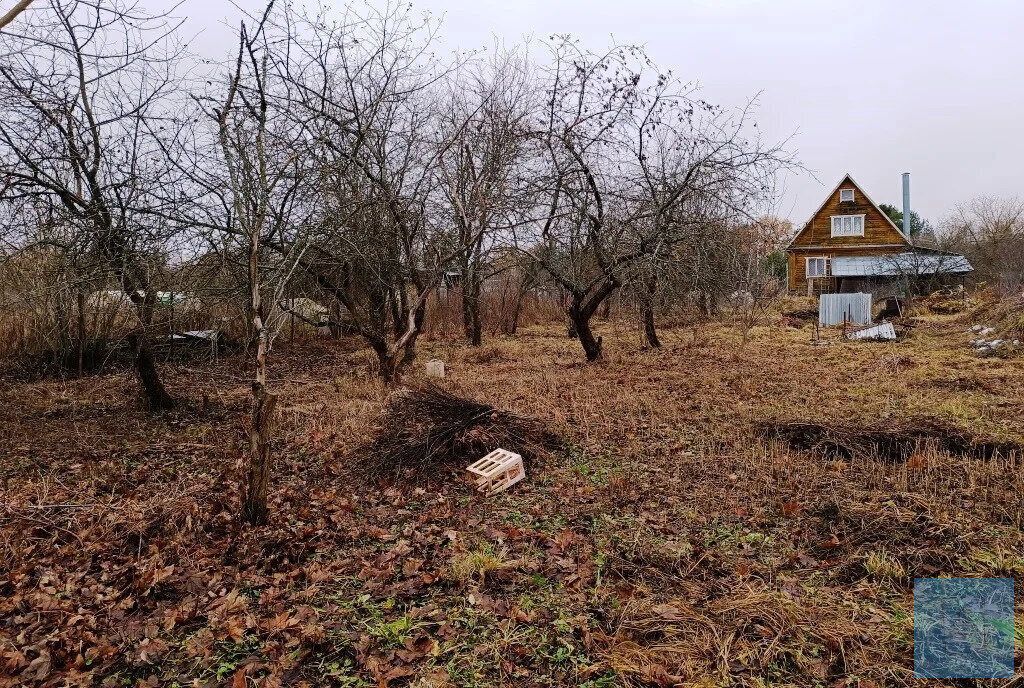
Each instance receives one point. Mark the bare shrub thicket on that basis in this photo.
(757, 284)
(990, 232)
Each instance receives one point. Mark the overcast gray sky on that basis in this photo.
(873, 87)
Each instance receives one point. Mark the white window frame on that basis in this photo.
(853, 226)
(807, 266)
(846, 200)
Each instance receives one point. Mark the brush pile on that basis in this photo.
(943, 302)
(799, 311)
(428, 431)
(894, 443)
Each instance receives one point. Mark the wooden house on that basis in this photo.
(849, 244)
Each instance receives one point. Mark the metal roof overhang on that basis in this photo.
(900, 264)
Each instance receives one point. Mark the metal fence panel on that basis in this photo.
(834, 308)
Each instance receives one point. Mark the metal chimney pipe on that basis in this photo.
(906, 204)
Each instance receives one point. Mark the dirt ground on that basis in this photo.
(669, 543)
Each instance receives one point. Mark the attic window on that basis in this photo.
(846, 195)
(847, 225)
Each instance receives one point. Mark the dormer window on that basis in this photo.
(846, 195)
(847, 225)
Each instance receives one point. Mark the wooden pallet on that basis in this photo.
(496, 472)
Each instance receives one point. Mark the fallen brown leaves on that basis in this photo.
(668, 545)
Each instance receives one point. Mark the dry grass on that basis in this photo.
(668, 543)
(473, 566)
(882, 566)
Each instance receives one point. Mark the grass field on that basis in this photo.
(670, 542)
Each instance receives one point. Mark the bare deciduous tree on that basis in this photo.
(634, 161)
(83, 92)
(482, 171)
(364, 95)
(257, 144)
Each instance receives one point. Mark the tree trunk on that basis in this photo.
(707, 303)
(145, 366)
(581, 310)
(649, 330)
(591, 345)
(467, 308)
(254, 508)
(389, 358)
(513, 323)
(387, 368)
(63, 318)
(476, 327)
(81, 333)
(409, 354)
(471, 288)
(257, 482)
(648, 307)
(477, 336)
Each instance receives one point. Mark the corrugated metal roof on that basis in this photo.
(900, 264)
(883, 330)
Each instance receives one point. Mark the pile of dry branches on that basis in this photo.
(427, 431)
(888, 442)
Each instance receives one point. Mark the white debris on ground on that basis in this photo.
(881, 332)
(435, 368)
(496, 472)
(193, 335)
(986, 347)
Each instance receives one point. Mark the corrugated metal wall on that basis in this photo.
(833, 308)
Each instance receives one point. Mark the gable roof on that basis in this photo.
(860, 188)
